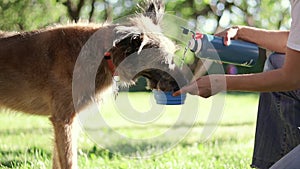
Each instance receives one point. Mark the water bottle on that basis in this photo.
(239, 53)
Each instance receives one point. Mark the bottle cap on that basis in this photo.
(195, 45)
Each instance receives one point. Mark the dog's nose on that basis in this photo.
(165, 85)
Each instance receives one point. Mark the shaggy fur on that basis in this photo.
(37, 67)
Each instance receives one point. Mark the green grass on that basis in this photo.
(26, 140)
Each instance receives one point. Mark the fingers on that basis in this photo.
(179, 92)
(220, 34)
(205, 86)
(192, 88)
(227, 40)
(193, 91)
(227, 35)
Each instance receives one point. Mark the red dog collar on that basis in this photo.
(111, 66)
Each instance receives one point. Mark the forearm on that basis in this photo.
(273, 40)
(260, 82)
(283, 79)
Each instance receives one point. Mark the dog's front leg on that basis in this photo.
(65, 143)
(55, 162)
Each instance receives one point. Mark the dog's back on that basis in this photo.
(35, 65)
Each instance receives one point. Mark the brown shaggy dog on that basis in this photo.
(36, 72)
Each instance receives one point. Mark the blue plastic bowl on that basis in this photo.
(166, 98)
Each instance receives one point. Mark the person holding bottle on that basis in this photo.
(278, 123)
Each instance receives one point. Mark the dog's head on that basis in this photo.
(144, 48)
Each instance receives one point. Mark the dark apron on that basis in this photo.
(278, 119)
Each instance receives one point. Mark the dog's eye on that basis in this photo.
(136, 41)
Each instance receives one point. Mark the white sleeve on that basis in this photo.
(294, 35)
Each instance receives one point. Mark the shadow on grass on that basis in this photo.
(197, 124)
(119, 149)
(18, 131)
(145, 150)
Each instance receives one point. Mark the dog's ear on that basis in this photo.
(154, 9)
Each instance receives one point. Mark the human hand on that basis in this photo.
(228, 34)
(205, 86)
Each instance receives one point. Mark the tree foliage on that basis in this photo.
(28, 14)
(206, 15)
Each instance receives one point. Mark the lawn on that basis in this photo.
(26, 141)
